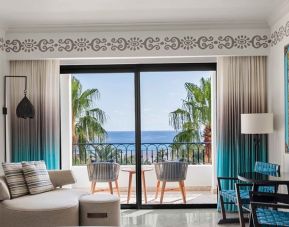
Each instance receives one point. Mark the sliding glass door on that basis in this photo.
(148, 129)
(176, 137)
(104, 132)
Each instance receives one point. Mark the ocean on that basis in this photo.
(146, 136)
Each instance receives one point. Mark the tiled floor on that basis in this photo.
(171, 218)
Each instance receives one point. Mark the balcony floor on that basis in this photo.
(172, 197)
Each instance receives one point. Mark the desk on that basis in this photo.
(270, 178)
(131, 172)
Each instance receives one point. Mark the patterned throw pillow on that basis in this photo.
(15, 179)
(36, 177)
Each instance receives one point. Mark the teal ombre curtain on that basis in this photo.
(38, 138)
(241, 88)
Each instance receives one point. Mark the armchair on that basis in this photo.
(174, 171)
(103, 172)
(240, 195)
(265, 209)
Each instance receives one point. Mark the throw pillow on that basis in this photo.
(15, 179)
(36, 177)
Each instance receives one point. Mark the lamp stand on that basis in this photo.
(257, 141)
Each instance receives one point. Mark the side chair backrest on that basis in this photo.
(266, 167)
(103, 171)
(171, 171)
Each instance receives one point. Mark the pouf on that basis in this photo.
(99, 210)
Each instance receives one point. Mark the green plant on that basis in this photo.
(87, 119)
(193, 120)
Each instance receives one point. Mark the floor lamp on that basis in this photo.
(24, 109)
(257, 124)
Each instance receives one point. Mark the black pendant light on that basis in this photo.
(25, 109)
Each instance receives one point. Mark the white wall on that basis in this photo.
(276, 92)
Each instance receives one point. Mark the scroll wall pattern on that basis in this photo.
(136, 43)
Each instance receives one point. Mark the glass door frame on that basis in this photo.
(137, 69)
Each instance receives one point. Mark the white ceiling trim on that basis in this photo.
(204, 25)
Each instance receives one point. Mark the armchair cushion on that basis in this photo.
(266, 216)
(60, 178)
(232, 196)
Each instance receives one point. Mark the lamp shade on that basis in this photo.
(25, 109)
(257, 123)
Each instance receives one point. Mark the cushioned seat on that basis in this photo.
(54, 208)
(232, 196)
(53, 200)
(99, 210)
(272, 217)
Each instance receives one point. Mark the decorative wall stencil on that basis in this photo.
(141, 43)
(135, 43)
(279, 34)
(1, 44)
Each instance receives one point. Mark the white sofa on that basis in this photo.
(59, 207)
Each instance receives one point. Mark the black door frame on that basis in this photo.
(137, 69)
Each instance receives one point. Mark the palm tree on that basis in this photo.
(87, 120)
(193, 120)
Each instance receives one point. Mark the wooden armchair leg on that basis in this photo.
(157, 189)
(163, 191)
(110, 187)
(92, 188)
(117, 188)
(182, 188)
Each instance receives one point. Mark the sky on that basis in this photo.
(161, 93)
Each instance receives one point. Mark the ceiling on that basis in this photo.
(61, 13)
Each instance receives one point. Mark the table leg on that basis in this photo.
(144, 186)
(129, 187)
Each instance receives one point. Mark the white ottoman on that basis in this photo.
(99, 210)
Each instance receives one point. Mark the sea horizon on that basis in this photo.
(150, 136)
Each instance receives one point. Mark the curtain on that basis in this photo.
(241, 88)
(37, 138)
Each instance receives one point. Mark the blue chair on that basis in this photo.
(240, 195)
(265, 209)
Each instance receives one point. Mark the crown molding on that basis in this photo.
(200, 25)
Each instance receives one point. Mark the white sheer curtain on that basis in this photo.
(241, 88)
(38, 138)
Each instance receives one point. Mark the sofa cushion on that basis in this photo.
(36, 177)
(53, 200)
(60, 178)
(4, 190)
(15, 179)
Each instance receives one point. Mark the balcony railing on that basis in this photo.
(124, 153)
